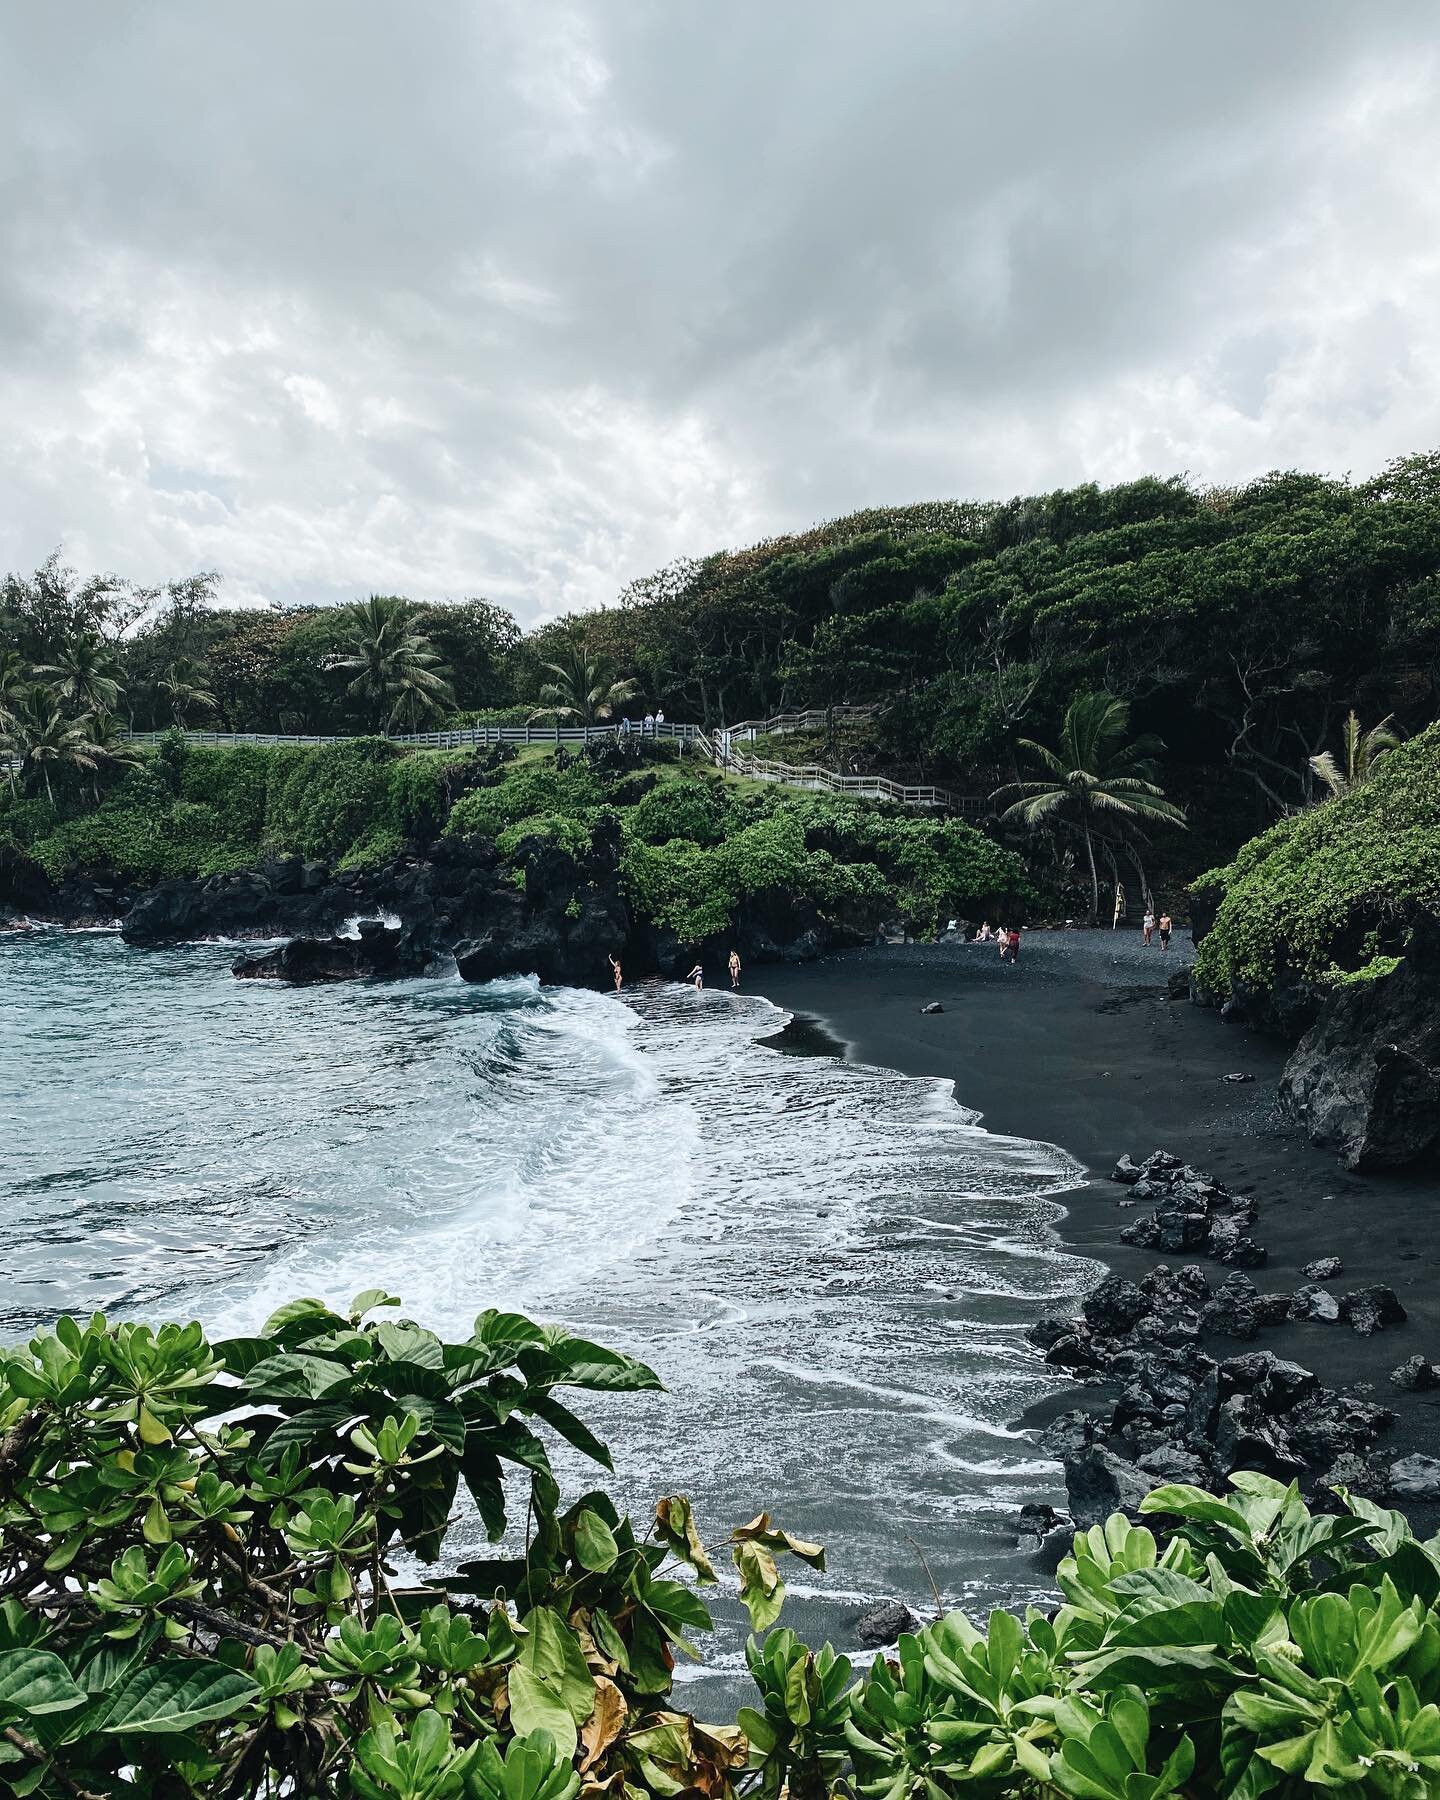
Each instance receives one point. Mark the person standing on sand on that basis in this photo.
(1012, 943)
(614, 963)
(734, 966)
(1149, 925)
(1165, 929)
(697, 977)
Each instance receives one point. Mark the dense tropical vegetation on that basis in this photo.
(1242, 634)
(225, 1572)
(693, 846)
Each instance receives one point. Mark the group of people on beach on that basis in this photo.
(1006, 936)
(696, 977)
(1164, 925)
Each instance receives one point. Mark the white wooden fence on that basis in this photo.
(720, 747)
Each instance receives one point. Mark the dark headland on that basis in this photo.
(1081, 1046)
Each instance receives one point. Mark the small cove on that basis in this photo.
(831, 1266)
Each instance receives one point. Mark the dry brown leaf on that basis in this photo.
(605, 1723)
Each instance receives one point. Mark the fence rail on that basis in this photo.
(718, 747)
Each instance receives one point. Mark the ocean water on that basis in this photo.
(831, 1266)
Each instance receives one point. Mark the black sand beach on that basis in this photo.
(1080, 1045)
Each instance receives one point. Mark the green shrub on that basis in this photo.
(698, 811)
(525, 792)
(1306, 895)
(206, 1560)
(330, 799)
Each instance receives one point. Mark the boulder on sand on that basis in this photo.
(1415, 1478)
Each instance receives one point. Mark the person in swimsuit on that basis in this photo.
(734, 966)
(614, 963)
(1165, 930)
(697, 977)
(1149, 926)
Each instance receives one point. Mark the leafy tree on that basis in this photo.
(395, 671)
(208, 1562)
(1097, 772)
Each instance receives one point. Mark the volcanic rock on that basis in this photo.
(884, 1624)
(1415, 1478)
(1365, 1078)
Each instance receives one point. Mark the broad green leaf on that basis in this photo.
(595, 1546)
(177, 1695)
(36, 1681)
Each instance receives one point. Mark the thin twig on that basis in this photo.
(925, 1565)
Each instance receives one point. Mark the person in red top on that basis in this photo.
(1012, 943)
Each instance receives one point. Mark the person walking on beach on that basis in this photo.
(1165, 930)
(734, 970)
(1149, 925)
(696, 977)
(614, 963)
(1011, 952)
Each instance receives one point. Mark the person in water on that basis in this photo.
(697, 976)
(614, 963)
(1166, 927)
(734, 967)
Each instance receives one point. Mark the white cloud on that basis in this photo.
(527, 301)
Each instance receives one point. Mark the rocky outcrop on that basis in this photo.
(1193, 1212)
(1184, 1409)
(374, 951)
(1365, 1078)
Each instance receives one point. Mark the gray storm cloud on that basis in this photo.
(526, 300)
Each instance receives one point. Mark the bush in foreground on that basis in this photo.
(200, 1552)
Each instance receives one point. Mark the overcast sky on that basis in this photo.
(448, 297)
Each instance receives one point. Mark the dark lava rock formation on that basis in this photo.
(1365, 1078)
(1184, 1415)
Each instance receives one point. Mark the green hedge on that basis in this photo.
(1309, 894)
(192, 810)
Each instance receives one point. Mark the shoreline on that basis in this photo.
(1080, 1046)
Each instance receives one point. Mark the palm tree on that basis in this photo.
(45, 740)
(1094, 771)
(1362, 750)
(111, 748)
(14, 679)
(183, 685)
(85, 680)
(397, 672)
(585, 687)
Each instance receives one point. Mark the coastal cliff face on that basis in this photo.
(1365, 1078)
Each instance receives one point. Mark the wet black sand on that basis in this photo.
(1079, 1045)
